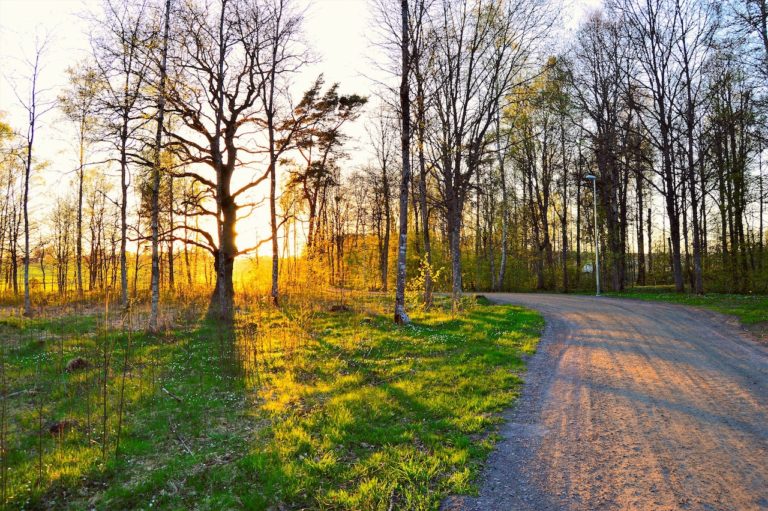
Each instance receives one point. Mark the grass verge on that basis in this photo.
(751, 310)
(294, 409)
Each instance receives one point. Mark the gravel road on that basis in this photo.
(632, 405)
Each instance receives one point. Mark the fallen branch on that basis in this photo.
(178, 437)
(19, 392)
(172, 395)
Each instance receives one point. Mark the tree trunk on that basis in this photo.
(187, 262)
(564, 217)
(672, 214)
(384, 255)
(578, 222)
(499, 282)
(155, 221)
(275, 290)
(405, 111)
(27, 172)
(454, 233)
(423, 206)
(171, 236)
(79, 228)
(640, 228)
(698, 277)
(124, 212)
(761, 229)
(32, 111)
(222, 300)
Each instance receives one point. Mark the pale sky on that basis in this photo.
(338, 31)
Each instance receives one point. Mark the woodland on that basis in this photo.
(224, 291)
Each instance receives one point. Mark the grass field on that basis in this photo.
(750, 309)
(293, 409)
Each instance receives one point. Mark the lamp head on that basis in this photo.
(590, 177)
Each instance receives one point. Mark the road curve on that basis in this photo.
(632, 405)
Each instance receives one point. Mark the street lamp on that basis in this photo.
(597, 236)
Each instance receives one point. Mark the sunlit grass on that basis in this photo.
(299, 406)
(750, 309)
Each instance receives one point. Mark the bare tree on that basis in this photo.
(61, 230)
(482, 51)
(421, 44)
(653, 30)
(283, 57)
(401, 317)
(217, 96)
(35, 106)
(597, 75)
(382, 141)
(422, 52)
(730, 138)
(156, 168)
(8, 172)
(697, 30)
(119, 49)
(751, 17)
(79, 105)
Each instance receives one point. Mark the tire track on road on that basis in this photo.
(632, 405)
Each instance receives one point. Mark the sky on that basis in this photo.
(338, 31)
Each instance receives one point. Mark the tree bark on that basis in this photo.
(32, 111)
(423, 204)
(499, 281)
(384, 255)
(158, 150)
(640, 228)
(401, 317)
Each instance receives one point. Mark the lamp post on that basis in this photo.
(597, 236)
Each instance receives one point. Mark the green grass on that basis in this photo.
(312, 409)
(750, 309)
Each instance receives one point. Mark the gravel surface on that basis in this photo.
(632, 405)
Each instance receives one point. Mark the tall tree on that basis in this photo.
(382, 142)
(119, 47)
(79, 105)
(697, 30)
(653, 28)
(421, 55)
(401, 317)
(283, 57)
(481, 51)
(35, 106)
(597, 74)
(218, 98)
(730, 137)
(156, 169)
(318, 137)
(751, 17)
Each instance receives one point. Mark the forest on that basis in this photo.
(218, 206)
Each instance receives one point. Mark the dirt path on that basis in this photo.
(632, 405)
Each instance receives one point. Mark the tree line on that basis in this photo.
(662, 101)
(188, 117)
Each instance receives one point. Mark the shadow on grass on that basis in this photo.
(343, 411)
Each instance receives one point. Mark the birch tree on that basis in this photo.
(401, 317)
